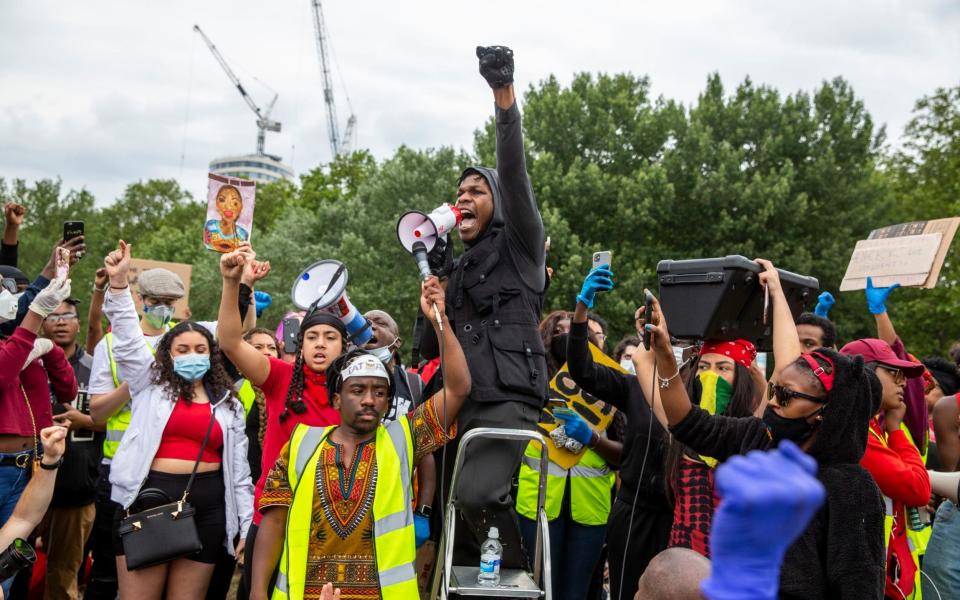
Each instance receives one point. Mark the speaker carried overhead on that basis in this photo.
(416, 226)
(323, 286)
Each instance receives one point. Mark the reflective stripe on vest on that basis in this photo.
(118, 422)
(591, 481)
(394, 539)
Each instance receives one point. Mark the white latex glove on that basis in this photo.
(40, 347)
(50, 298)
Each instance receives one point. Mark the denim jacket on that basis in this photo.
(151, 405)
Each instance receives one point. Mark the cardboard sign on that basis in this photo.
(910, 254)
(181, 306)
(564, 391)
(229, 212)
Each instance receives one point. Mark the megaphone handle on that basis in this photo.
(436, 314)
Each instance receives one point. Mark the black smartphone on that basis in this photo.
(72, 229)
(647, 318)
(291, 329)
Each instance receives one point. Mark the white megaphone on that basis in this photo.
(415, 226)
(323, 286)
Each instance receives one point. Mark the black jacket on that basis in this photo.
(77, 478)
(623, 391)
(841, 554)
(494, 298)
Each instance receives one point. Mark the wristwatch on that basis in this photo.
(424, 511)
(52, 467)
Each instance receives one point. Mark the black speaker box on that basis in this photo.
(722, 299)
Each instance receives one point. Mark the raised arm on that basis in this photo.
(130, 350)
(253, 365)
(95, 312)
(456, 373)
(673, 394)
(786, 342)
(36, 497)
(13, 215)
(521, 215)
(877, 305)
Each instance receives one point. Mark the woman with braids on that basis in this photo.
(177, 396)
(823, 402)
(293, 394)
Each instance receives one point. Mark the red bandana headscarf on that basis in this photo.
(741, 351)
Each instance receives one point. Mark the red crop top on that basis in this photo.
(185, 431)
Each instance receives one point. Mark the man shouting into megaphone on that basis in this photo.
(494, 299)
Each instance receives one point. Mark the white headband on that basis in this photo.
(365, 366)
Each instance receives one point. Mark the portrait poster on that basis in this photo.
(229, 212)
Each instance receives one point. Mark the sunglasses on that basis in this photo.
(785, 395)
(897, 374)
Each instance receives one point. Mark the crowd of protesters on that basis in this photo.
(310, 464)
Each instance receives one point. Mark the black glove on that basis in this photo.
(496, 65)
(440, 258)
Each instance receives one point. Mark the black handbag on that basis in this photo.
(162, 530)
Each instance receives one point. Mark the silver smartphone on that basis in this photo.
(602, 258)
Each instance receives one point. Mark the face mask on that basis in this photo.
(782, 428)
(627, 365)
(558, 348)
(9, 303)
(191, 366)
(158, 316)
(384, 353)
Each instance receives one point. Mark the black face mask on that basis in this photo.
(558, 349)
(781, 428)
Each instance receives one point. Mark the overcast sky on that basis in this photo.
(103, 93)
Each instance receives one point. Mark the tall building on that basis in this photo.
(259, 168)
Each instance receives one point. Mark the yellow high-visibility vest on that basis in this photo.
(394, 540)
(591, 482)
(889, 518)
(119, 421)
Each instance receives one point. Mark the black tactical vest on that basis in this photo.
(496, 317)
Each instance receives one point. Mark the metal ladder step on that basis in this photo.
(514, 583)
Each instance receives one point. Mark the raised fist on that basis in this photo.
(496, 65)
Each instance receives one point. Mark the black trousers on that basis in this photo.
(630, 549)
(485, 482)
(103, 574)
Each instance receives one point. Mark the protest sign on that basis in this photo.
(910, 254)
(229, 212)
(564, 391)
(138, 265)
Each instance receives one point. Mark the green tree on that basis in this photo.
(926, 176)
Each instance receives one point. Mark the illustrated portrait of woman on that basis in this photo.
(224, 234)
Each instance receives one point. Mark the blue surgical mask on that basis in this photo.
(158, 316)
(191, 366)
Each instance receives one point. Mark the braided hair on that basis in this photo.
(294, 400)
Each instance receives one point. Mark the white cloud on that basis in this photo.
(106, 93)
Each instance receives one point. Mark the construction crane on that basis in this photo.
(264, 123)
(338, 145)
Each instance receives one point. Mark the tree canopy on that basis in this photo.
(795, 178)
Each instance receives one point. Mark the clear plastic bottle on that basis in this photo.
(491, 551)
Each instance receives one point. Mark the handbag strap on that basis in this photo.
(203, 446)
(33, 423)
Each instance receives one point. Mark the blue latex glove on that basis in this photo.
(767, 501)
(824, 303)
(421, 529)
(877, 297)
(576, 428)
(598, 280)
(263, 301)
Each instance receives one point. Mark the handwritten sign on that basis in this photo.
(910, 254)
(564, 391)
(138, 265)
